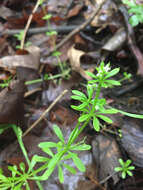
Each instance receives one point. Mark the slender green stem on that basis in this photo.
(49, 78)
(19, 138)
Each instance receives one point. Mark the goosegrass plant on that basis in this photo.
(136, 10)
(92, 108)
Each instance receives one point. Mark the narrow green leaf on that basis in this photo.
(47, 145)
(81, 147)
(113, 82)
(77, 162)
(90, 91)
(118, 169)
(105, 118)
(58, 132)
(129, 173)
(92, 81)
(73, 134)
(123, 175)
(127, 163)
(134, 21)
(83, 117)
(60, 174)
(77, 92)
(121, 162)
(48, 151)
(131, 114)
(131, 167)
(74, 97)
(112, 73)
(110, 111)
(47, 17)
(56, 53)
(66, 157)
(22, 166)
(51, 166)
(80, 107)
(36, 159)
(96, 124)
(3, 178)
(91, 75)
(69, 168)
(18, 187)
(55, 159)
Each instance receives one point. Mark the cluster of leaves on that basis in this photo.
(136, 10)
(125, 168)
(95, 108)
(19, 178)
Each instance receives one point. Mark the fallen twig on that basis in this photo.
(28, 24)
(45, 112)
(38, 30)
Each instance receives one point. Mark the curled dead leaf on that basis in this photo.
(74, 56)
(30, 60)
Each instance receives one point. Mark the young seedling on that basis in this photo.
(125, 169)
(20, 37)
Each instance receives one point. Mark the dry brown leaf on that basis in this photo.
(106, 154)
(30, 60)
(11, 103)
(74, 56)
(132, 140)
(75, 11)
(6, 12)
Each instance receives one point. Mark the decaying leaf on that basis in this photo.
(6, 12)
(132, 140)
(11, 104)
(74, 56)
(62, 115)
(75, 11)
(30, 60)
(106, 154)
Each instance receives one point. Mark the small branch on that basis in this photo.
(45, 112)
(107, 178)
(59, 29)
(28, 24)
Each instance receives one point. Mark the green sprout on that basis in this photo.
(47, 17)
(120, 133)
(19, 37)
(126, 76)
(63, 66)
(5, 82)
(125, 168)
